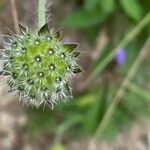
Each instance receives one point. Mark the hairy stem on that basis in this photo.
(15, 16)
(41, 13)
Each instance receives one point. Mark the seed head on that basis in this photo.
(40, 66)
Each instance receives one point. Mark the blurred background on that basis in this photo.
(99, 26)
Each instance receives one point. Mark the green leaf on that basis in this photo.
(77, 70)
(44, 30)
(107, 5)
(70, 47)
(90, 5)
(57, 35)
(85, 100)
(76, 54)
(132, 8)
(95, 113)
(83, 19)
(69, 123)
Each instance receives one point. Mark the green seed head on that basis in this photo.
(40, 67)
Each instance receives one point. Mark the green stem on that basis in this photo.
(128, 38)
(41, 13)
(125, 84)
(139, 91)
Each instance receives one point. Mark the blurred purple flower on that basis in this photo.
(120, 56)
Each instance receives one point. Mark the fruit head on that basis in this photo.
(40, 66)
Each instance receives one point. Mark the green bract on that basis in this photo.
(39, 66)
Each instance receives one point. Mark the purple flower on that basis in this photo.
(120, 57)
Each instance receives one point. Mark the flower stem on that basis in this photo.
(41, 13)
(15, 16)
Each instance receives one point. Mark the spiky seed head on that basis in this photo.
(40, 66)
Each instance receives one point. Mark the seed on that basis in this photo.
(68, 68)
(30, 81)
(14, 75)
(41, 74)
(58, 90)
(38, 59)
(14, 44)
(24, 49)
(52, 67)
(20, 88)
(48, 38)
(37, 41)
(58, 79)
(44, 88)
(25, 67)
(32, 95)
(62, 55)
(50, 51)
